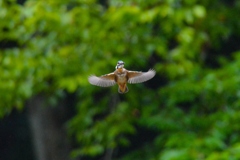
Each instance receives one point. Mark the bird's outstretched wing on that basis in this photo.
(139, 77)
(106, 80)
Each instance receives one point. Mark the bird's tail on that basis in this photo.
(123, 91)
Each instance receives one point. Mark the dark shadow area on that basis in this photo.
(15, 137)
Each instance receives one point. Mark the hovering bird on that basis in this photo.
(121, 76)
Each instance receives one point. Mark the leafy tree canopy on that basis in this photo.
(192, 104)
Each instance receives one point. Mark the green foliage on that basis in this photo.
(52, 47)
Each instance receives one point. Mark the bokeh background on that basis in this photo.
(189, 110)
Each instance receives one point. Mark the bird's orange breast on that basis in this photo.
(121, 79)
(121, 76)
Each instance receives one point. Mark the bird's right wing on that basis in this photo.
(106, 80)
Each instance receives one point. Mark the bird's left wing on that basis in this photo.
(106, 80)
(139, 77)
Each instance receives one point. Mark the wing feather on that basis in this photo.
(139, 77)
(102, 81)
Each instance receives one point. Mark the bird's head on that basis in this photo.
(120, 64)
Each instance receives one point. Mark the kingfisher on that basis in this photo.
(121, 76)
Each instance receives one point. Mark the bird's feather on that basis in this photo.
(139, 77)
(106, 80)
